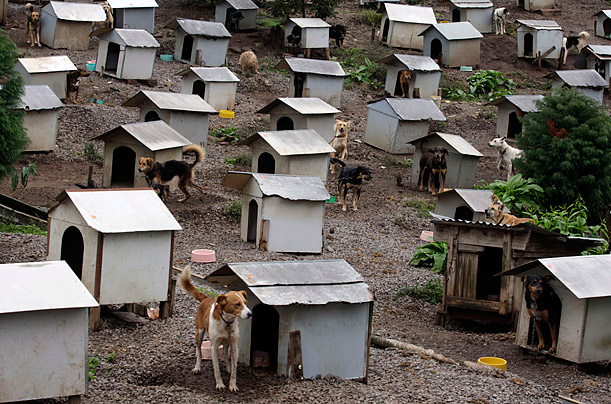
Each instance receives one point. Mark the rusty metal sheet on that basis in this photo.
(540, 24)
(455, 31)
(47, 64)
(305, 106)
(241, 4)
(309, 22)
(39, 98)
(526, 103)
(312, 66)
(292, 187)
(203, 28)
(212, 74)
(414, 62)
(292, 142)
(171, 101)
(581, 78)
(413, 14)
(136, 38)
(132, 3)
(70, 11)
(155, 135)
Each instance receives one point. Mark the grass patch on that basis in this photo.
(233, 210)
(269, 63)
(391, 161)
(94, 364)
(229, 134)
(420, 206)
(10, 227)
(209, 293)
(431, 291)
(239, 160)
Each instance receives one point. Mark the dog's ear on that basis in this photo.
(503, 138)
(221, 300)
(495, 199)
(244, 295)
(548, 278)
(445, 151)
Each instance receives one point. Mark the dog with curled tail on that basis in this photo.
(248, 62)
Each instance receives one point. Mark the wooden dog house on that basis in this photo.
(539, 38)
(453, 44)
(309, 318)
(215, 85)
(281, 213)
(465, 204)
(426, 75)
(134, 14)
(51, 71)
(583, 284)
(537, 5)
(41, 107)
(126, 54)
(602, 24)
(479, 251)
(401, 24)
(599, 59)
(314, 34)
(510, 110)
(203, 43)
(586, 81)
(43, 300)
(477, 12)
(120, 243)
(67, 24)
(292, 152)
(225, 8)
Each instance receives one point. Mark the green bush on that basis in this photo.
(433, 254)
(94, 364)
(234, 211)
(10, 227)
(372, 17)
(518, 194)
(571, 220)
(239, 160)
(484, 85)
(431, 291)
(369, 73)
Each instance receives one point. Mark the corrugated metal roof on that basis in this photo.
(414, 62)
(467, 3)
(137, 38)
(292, 142)
(38, 98)
(171, 101)
(540, 24)
(47, 64)
(69, 11)
(155, 135)
(459, 143)
(203, 28)
(121, 211)
(292, 187)
(412, 109)
(312, 66)
(305, 106)
(35, 286)
(241, 4)
(214, 74)
(455, 31)
(132, 3)
(309, 22)
(478, 199)
(411, 14)
(526, 103)
(585, 276)
(581, 78)
(602, 52)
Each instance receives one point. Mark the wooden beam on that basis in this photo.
(295, 358)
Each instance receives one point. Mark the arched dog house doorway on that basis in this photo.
(528, 44)
(385, 30)
(298, 82)
(266, 164)
(187, 48)
(398, 89)
(151, 116)
(253, 211)
(264, 334)
(285, 123)
(436, 50)
(72, 250)
(514, 125)
(456, 15)
(199, 88)
(112, 57)
(123, 164)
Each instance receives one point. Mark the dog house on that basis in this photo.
(322, 79)
(49, 70)
(202, 43)
(539, 38)
(41, 107)
(465, 204)
(425, 78)
(462, 159)
(292, 152)
(3, 12)
(126, 54)
(599, 59)
(134, 14)
(302, 113)
(401, 24)
(394, 122)
(536, 5)
(215, 85)
(587, 81)
(307, 34)
(241, 14)
(602, 24)
(583, 284)
(125, 144)
(309, 318)
(43, 300)
(477, 12)
(453, 44)
(119, 243)
(188, 114)
(477, 252)
(67, 25)
(281, 213)
(510, 110)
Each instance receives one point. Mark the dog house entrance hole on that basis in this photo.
(123, 163)
(528, 44)
(72, 250)
(151, 116)
(398, 89)
(199, 88)
(285, 123)
(385, 30)
(436, 49)
(514, 127)
(456, 15)
(463, 213)
(607, 27)
(490, 263)
(112, 57)
(521, 3)
(533, 337)
(187, 48)
(298, 82)
(251, 232)
(266, 164)
(264, 336)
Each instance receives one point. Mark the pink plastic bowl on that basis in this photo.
(203, 256)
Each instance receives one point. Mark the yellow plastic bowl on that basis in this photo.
(494, 362)
(223, 113)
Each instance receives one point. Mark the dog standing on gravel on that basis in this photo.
(73, 82)
(218, 316)
(32, 25)
(248, 62)
(351, 178)
(340, 142)
(506, 154)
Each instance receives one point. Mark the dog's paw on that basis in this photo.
(344, 209)
(233, 387)
(220, 386)
(196, 370)
(552, 350)
(540, 347)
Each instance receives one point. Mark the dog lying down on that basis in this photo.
(497, 213)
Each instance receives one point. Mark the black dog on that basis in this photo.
(293, 39)
(350, 177)
(544, 305)
(433, 169)
(338, 32)
(233, 20)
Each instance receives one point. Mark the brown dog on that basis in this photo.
(32, 25)
(73, 82)
(544, 306)
(433, 169)
(405, 79)
(499, 216)
(110, 20)
(248, 62)
(340, 141)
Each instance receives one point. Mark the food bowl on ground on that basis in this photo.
(224, 113)
(493, 361)
(203, 256)
(166, 58)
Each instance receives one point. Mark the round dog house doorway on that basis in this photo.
(436, 50)
(187, 48)
(199, 88)
(285, 123)
(151, 116)
(72, 250)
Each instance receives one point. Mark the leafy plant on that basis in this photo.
(367, 73)
(91, 154)
(372, 17)
(489, 85)
(518, 194)
(239, 160)
(234, 210)
(431, 291)
(23, 175)
(287, 8)
(421, 206)
(10, 227)
(433, 254)
(228, 134)
(94, 364)
(570, 219)
(390, 161)
(111, 357)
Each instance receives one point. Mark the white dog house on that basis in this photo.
(125, 144)
(583, 284)
(309, 318)
(462, 159)
(401, 24)
(226, 8)
(588, 82)
(49, 70)
(215, 85)
(599, 59)
(537, 37)
(314, 33)
(536, 5)
(188, 114)
(43, 299)
(134, 14)
(203, 43)
(281, 213)
(426, 75)
(302, 113)
(512, 108)
(602, 24)
(118, 242)
(41, 107)
(292, 152)
(477, 12)
(453, 44)
(67, 24)
(322, 79)
(126, 54)
(393, 123)
(465, 204)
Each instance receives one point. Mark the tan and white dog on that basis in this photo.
(248, 62)
(497, 213)
(218, 316)
(340, 141)
(506, 154)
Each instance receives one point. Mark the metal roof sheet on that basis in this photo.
(602, 52)
(305, 106)
(607, 13)
(137, 38)
(70, 11)
(312, 66)
(455, 31)
(414, 62)
(241, 4)
(121, 210)
(581, 78)
(467, 3)
(309, 22)
(292, 187)
(410, 14)
(47, 64)
(526, 103)
(458, 143)
(540, 24)
(292, 142)
(39, 98)
(203, 28)
(155, 135)
(34, 286)
(585, 276)
(214, 74)
(132, 3)
(412, 109)
(478, 199)
(171, 101)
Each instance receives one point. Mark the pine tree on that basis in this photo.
(290, 8)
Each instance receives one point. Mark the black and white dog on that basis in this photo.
(499, 19)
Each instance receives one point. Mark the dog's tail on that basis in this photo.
(200, 153)
(185, 282)
(337, 161)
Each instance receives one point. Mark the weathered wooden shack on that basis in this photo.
(126, 54)
(401, 24)
(41, 107)
(477, 12)
(225, 9)
(203, 43)
(452, 44)
(67, 24)
(586, 81)
(539, 38)
(134, 14)
(48, 70)
(215, 85)
(425, 75)
(512, 108)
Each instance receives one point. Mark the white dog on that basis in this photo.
(498, 20)
(506, 154)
